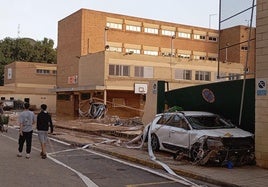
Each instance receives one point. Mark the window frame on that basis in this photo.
(119, 70)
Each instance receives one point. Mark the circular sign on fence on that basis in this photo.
(208, 95)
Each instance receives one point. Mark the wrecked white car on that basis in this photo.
(203, 137)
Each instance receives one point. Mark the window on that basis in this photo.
(168, 33)
(133, 28)
(196, 57)
(202, 75)
(199, 37)
(114, 25)
(145, 72)
(151, 30)
(234, 76)
(244, 48)
(42, 71)
(212, 39)
(166, 54)
(118, 70)
(114, 49)
(187, 56)
(183, 74)
(187, 74)
(153, 53)
(64, 97)
(136, 51)
(164, 118)
(212, 58)
(54, 72)
(184, 35)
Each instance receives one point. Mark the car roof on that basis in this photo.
(191, 113)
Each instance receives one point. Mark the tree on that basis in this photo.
(26, 50)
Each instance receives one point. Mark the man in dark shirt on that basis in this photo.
(44, 121)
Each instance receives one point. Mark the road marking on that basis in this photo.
(84, 178)
(139, 167)
(150, 184)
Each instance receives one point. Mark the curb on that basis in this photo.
(150, 164)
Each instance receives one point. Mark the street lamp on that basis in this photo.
(226, 51)
(171, 46)
(105, 37)
(171, 53)
(210, 15)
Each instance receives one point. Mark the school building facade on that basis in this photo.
(111, 58)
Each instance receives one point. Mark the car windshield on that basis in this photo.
(208, 122)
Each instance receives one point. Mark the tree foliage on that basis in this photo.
(26, 50)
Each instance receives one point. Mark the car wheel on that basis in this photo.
(155, 143)
(197, 154)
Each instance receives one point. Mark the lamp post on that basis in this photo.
(226, 51)
(105, 37)
(210, 15)
(171, 47)
(171, 53)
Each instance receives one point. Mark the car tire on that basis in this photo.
(155, 142)
(195, 153)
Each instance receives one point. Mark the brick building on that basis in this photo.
(261, 100)
(105, 55)
(30, 82)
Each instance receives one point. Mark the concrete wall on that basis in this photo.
(261, 110)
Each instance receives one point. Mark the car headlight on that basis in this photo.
(214, 143)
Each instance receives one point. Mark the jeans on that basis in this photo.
(26, 136)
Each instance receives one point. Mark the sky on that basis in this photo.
(38, 19)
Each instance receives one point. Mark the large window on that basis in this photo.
(168, 33)
(145, 72)
(199, 37)
(187, 56)
(42, 71)
(114, 49)
(151, 30)
(212, 39)
(183, 74)
(136, 51)
(187, 74)
(203, 75)
(184, 35)
(114, 25)
(212, 58)
(133, 28)
(197, 57)
(118, 70)
(153, 53)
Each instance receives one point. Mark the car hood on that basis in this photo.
(233, 132)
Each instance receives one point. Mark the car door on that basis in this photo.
(161, 129)
(179, 133)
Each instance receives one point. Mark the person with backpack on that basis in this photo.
(44, 122)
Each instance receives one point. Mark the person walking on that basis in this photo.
(26, 122)
(44, 122)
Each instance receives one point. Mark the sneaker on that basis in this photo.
(19, 155)
(27, 156)
(41, 154)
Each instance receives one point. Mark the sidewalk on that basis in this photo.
(251, 176)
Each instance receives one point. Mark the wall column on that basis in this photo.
(261, 101)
